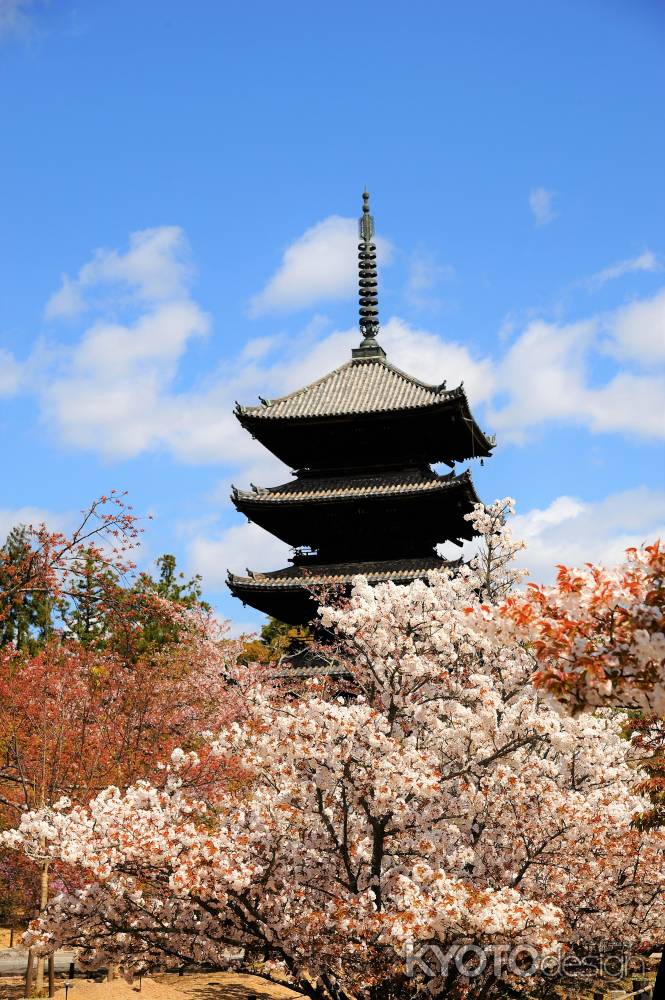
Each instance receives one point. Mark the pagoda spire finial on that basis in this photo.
(367, 287)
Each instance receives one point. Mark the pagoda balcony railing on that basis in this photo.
(302, 555)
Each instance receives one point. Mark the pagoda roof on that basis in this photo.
(362, 385)
(402, 482)
(304, 666)
(290, 594)
(335, 574)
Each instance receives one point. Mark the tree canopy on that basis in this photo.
(348, 844)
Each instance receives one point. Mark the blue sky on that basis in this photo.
(180, 184)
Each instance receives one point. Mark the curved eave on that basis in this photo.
(453, 401)
(486, 442)
(246, 502)
(292, 597)
(306, 582)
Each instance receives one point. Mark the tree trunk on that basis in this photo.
(51, 975)
(39, 978)
(43, 901)
(27, 992)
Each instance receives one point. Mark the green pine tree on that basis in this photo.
(171, 585)
(26, 616)
(85, 612)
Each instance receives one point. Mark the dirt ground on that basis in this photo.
(204, 986)
(235, 986)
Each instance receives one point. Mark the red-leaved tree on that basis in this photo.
(121, 676)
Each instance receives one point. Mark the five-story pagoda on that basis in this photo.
(365, 499)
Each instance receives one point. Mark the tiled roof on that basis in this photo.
(405, 481)
(308, 663)
(305, 671)
(359, 386)
(333, 574)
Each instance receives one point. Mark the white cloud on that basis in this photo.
(637, 330)
(542, 377)
(545, 376)
(240, 547)
(628, 404)
(156, 267)
(320, 265)
(432, 359)
(113, 396)
(11, 374)
(13, 517)
(113, 392)
(646, 261)
(573, 532)
(541, 205)
(66, 302)
(159, 337)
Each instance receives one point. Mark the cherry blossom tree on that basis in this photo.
(445, 803)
